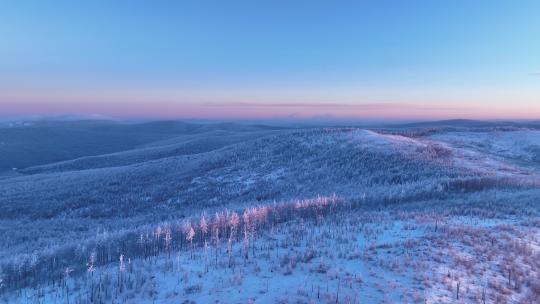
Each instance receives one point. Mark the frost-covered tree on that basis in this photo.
(234, 221)
(203, 225)
(168, 240)
(91, 268)
(190, 234)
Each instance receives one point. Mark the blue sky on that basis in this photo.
(424, 59)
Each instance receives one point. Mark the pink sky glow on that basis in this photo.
(258, 110)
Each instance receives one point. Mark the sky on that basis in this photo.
(397, 60)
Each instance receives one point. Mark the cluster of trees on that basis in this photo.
(313, 236)
(225, 227)
(290, 229)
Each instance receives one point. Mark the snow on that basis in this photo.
(515, 145)
(321, 215)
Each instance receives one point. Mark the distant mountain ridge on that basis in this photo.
(43, 142)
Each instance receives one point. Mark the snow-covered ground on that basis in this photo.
(522, 146)
(346, 254)
(330, 215)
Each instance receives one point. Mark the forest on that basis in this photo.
(236, 213)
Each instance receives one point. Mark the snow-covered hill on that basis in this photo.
(383, 185)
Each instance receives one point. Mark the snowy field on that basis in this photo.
(231, 213)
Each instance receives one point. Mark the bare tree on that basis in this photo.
(190, 234)
(91, 268)
(234, 221)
